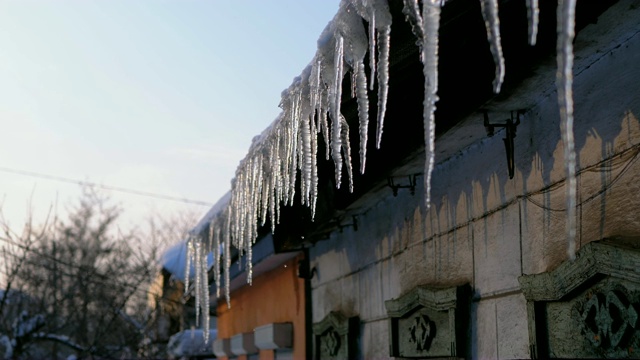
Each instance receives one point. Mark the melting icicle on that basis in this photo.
(353, 84)
(372, 47)
(227, 260)
(198, 284)
(346, 148)
(492, 23)
(411, 11)
(307, 154)
(377, 13)
(217, 255)
(335, 121)
(205, 296)
(293, 141)
(314, 167)
(322, 119)
(187, 270)
(265, 189)
(363, 114)
(533, 16)
(430, 27)
(349, 23)
(249, 266)
(564, 83)
(383, 79)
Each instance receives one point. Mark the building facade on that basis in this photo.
(483, 271)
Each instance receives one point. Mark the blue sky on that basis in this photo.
(155, 95)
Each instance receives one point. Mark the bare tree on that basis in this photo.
(81, 285)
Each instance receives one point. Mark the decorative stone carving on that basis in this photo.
(330, 344)
(608, 319)
(429, 322)
(589, 307)
(422, 332)
(336, 337)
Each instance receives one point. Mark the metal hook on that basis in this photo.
(411, 186)
(510, 133)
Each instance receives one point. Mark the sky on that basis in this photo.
(155, 96)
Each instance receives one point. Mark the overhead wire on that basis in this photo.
(627, 157)
(105, 187)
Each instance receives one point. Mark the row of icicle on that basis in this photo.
(266, 177)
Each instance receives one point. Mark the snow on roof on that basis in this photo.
(191, 343)
(174, 260)
(215, 210)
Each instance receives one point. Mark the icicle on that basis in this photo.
(198, 284)
(533, 15)
(349, 25)
(353, 83)
(205, 295)
(287, 158)
(492, 23)
(273, 184)
(377, 14)
(227, 259)
(430, 28)
(314, 167)
(322, 119)
(383, 79)
(363, 114)
(314, 83)
(217, 256)
(265, 189)
(564, 83)
(187, 270)
(276, 179)
(307, 154)
(295, 127)
(411, 10)
(249, 265)
(335, 123)
(372, 47)
(346, 148)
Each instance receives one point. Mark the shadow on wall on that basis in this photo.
(469, 191)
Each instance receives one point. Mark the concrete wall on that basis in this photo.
(486, 229)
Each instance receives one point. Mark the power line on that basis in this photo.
(106, 187)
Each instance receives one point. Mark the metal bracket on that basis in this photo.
(411, 186)
(304, 270)
(354, 224)
(510, 126)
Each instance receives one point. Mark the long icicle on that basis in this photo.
(430, 28)
(564, 83)
(337, 98)
(363, 114)
(533, 16)
(198, 284)
(492, 23)
(227, 259)
(384, 43)
(346, 148)
(205, 293)
(372, 47)
(187, 270)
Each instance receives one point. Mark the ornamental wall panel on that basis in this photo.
(429, 322)
(336, 337)
(589, 307)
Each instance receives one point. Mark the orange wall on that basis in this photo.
(275, 296)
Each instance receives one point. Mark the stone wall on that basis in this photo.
(485, 229)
